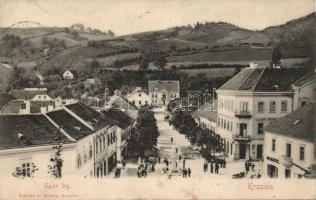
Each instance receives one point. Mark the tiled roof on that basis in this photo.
(26, 94)
(35, 127)
(93, 117)
(71, 125)
(298, 124)
(206, 112)
(305, 79)
(122, 118)
(264, 79)
(12, 107)
(122, 103)
(170, 86)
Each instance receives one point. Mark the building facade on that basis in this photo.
(162, 92)
(290, 145)
(248, 102)
(27, 142)
(139, 98)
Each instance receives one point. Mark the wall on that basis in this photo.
(306, 93)
(40, 156)
(281, 150)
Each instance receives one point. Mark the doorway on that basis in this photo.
(259, 151)
(242, 151)
(272, 171)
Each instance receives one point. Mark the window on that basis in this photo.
(23, 106)
(152, 95)
(90, 152)
(272, 106)
(26, 169)
(228, 123)
(140, 102)
(260, 107)
(284, 106)
(231, 126)
(288, 150)
(109, 140)
(302, 153)
(218, 121)
(97, 147)
(303, 103)
(146, 102)
(287, 173)
(224, 123)
(140, 94)
(260, 128)
(84, 156)
(78, 160)
(44, 97)
(273, 145)
(133, 102)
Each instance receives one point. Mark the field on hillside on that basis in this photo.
(224, 56)
(165, 45)
(109, 60)
(210, 73)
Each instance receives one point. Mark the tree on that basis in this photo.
(143, 65)
(160, 63)
(276, 55)
(146, 131)
(111, 33)
(56, 163)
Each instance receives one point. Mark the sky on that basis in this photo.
(132, 16)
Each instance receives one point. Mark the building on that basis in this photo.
(124, 127)
(139, 98)
(162, 92)
(304, 90)
(249, 101)
(118, 101)
(28, 100)
(88, 138)
(290, 150)
(206, 116)
(68, 75)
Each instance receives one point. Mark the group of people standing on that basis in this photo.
(186, 173)
(214, 165)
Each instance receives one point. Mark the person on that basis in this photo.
(247, 166)
(204, 167)
(124, 164)
(189, 172)
(224, 164)
(216, 167)
(167, 163)
(183, 163)
(185, 173)
(212, 167)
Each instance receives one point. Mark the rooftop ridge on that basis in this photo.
(255, 85)
(246, 78)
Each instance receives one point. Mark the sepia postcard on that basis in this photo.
(157, 99)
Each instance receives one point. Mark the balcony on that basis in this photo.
(243, 114)
(286, 161)
(242, 138)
